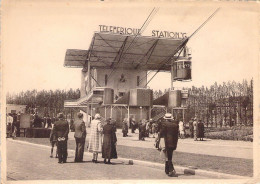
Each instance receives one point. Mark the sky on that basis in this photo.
(36, 35)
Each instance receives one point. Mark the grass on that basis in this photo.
(234, 133)
(237, 166)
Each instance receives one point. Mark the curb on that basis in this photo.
(179, 169)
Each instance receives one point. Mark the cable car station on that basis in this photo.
(115, 71)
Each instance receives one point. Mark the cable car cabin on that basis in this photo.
(182, 70)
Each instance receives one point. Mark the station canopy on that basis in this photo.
(124, 51)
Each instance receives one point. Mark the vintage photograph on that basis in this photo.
(129, 91)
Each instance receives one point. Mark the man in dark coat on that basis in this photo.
(61, 130)
(80, 136)
(191, 128)
(169, 131)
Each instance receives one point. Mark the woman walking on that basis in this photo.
(109, 142)
(95, 139)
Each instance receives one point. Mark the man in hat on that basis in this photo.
(169, 132)
(61, 130)
(80, 136)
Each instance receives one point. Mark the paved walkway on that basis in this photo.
(224, 148)
(32, 162)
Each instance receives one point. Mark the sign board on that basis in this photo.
(136, 31)
(25, 121)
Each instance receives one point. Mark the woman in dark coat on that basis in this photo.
(200, 130)
(109, 142)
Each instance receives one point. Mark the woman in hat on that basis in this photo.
(169, 133)
(95, 139)
(109, 142)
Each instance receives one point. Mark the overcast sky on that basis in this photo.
(36, 36)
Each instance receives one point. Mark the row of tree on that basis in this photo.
(228, 103)
(51, 101)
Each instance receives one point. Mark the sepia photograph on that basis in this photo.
(130, 92)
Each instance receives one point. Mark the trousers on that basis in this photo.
(62, 151)
(169, 153)
(80, 144)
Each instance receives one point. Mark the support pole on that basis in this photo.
(128, 113)
(111, 113)
(91, 112)
(89, 78)
(150, 113)
(88, 123)
(172, 74)
(105, 112)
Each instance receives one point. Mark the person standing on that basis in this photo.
(182, 130)
(200, 130)
(109, 142)
(169, 133)
(195, 128)
(53, 141)
(14, 127)
(61, 131)
(191, 128)
(9, 125)
(95, 139)
(133, 124)
(80, 136)
(125, 128)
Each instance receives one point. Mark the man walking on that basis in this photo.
(169, 134)
(80, 136)
(61, 130)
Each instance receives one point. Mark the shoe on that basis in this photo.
(105, 161)
(60, 162)
(166, 167)
(172, 174)
(51, 156)
(93, 160)
(109, 162)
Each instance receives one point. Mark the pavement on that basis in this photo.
(32, 162)
(223, 148)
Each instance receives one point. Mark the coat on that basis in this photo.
(200, 130)
(95, 138)
(181, 127)
(61, 129)
(80, 129)
(109, 141)
(125, 127)
(169, 131)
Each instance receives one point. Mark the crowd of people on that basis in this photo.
(13, 124)
(102, 138)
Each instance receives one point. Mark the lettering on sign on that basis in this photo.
(168, 34)
(119, 30)
(135, 31)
